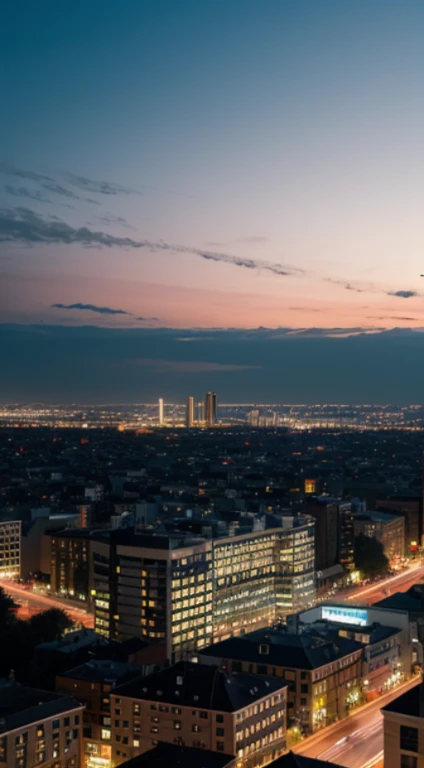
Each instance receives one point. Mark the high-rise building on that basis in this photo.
(200, 412)
(161, 411)
(185, 591)
(190, 412)
(210, 408)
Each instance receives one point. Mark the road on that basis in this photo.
(375, 592)
(357, 741)
(32, 602)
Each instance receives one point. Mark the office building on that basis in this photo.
(161, 418)
(158, 588)
(185, 591)
(326, 526)
(10, 549)
(323, 675)
(92, 683)
(71, 571)
(199, 705)
(210, 409)
(38, 728)
(411, 509)
(262, 576)
(190, 412)
(403, 724)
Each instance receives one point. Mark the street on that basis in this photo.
(372, 593)
(32, 602)
(357, 741)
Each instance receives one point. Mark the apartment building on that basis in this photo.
(38, 728)
(92, 683)
(323, 676)
(199, 706)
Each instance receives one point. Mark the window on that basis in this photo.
(55, 725)
(304, 688)
(126, 723)
(408, 761)
(220, 732)
(176, 711)
(203, 715)
(409, 738)
(136, 742)
(177, 725)
(262, 669)
(219, 746)
(136, 709)
(66, 721)
(303, 702)
(105, 734)
(303, 675)
(220, 718)
(195, 728)
(40, 757)
(76, 720)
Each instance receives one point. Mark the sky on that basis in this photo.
(228, 164)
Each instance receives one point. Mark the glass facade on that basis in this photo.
(10, 549)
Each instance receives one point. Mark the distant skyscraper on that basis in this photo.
(210, 408)
(190, 412)
(161, 411)
(200, 412)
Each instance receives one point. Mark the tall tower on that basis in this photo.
(210, 408)
(190, 412)
(161, 411)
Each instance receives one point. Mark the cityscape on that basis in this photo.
(212, 384)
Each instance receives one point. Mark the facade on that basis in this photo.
(346, 544)
(160, 416)
(403, 723)
(389, 530)
(38, 728)
(202, 706)
(10, 549)
(323, 676)
(189, 592)
(92, 683)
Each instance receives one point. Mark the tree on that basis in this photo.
(8, 609)
(49, 625)
(370, 559)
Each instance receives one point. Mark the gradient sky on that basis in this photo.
(214, 164)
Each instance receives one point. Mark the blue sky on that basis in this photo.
(223, 163)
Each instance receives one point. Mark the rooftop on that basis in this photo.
(21, 706)
(201, 685)
(409, 703)
(276, 647)
(171, 756)
(113, 672)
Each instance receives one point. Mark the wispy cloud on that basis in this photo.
(45, 182)
(10, 170)
(403, 294)
(99, 187)
(25, 226)
(28, 194)
(191, 366)
(304, 309)
(92, 308)
(57, 189)
(392, 317)
(348, 285)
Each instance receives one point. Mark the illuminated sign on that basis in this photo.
(356, 616)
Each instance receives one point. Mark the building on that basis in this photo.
(155, 587)
(160, 417)
(199, 705)
(10, 549)
(388, 638)
(411, 509)
(210, 409)
(71, 557)
(403, 724)
(346, 531)
(186, 591)
(326, 532)
(389, 530)
(92, 683)
(262, 576)
(190, 412)
(38, 728)
(323, 676)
